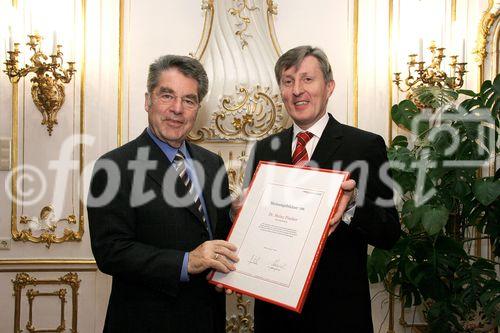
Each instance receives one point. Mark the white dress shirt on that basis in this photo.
(317, 130)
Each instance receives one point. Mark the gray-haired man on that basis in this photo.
(339, 297)
(161, 232)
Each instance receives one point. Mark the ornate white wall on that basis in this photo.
(113, 44)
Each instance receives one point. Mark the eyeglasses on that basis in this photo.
(189, 103)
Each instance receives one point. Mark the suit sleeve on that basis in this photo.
(379, 226)
(113, 239)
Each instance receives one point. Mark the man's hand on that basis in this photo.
(220, 288)
(216, 254)
(348, 187)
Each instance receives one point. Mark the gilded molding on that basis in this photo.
(390, 97)
(14, 156)
(47, 237)
(355, 63)
(244, 116)
(237, 10)
(208, 7)
(23, 280)
(248, 114)
(272, 10)
(236, 172)
(243, 321)
(47, 224)
(201, 135)
(31, 294)
(119, 117)
(9, 262)
(484, 30)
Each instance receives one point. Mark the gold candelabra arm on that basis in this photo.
(57, 69)
(47, 87)
(453, 65)
(458, 82)
(12, 65)
(432, 75)
(397, 81)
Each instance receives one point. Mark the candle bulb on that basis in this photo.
(54, 47)
(420, 50)
(463, 51)
(71, 52)
(11, 41)
(31, 21)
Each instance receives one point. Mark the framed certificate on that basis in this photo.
(280, 232)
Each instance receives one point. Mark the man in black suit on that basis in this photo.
(155, 215)
(339, 297)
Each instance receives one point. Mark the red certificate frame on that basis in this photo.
(298, 220)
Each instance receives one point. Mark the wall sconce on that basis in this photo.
(47, 88)
(432, 75)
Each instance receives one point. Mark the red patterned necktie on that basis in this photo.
(300, 154)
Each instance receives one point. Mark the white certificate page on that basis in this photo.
(280, 231)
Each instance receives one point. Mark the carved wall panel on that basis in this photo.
(238, 48)
(25, 280)
(44, 192)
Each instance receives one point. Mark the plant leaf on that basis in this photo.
(467, 92)
(404, 112)
(434, 219)
(486, 191)
(400, 140)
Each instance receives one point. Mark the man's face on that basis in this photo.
(172, 106)
(305, 92)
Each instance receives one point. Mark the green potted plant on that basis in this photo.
(446, 205)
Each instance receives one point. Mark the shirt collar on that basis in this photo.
(167, 149)
(316, 129)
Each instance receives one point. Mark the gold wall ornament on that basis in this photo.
(484, 30)
(23, 280)
(243, 321)
(242, 23)
(208, 7)
(248, 115)
(47, 88)
(45, 225)
(272, 10)
(201, 135)
(31, 294)
(235, 172)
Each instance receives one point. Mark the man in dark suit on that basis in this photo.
(339, 297)
(155, 223)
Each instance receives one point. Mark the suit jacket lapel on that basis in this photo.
(284, 153)
(202, 170)
(328, 143)
(155, 154)
(158, 173)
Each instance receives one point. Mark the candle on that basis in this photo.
(54, 47)
(420, 50)
(71, 53)
(11, 41)
(463, 51)
(31, 21)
